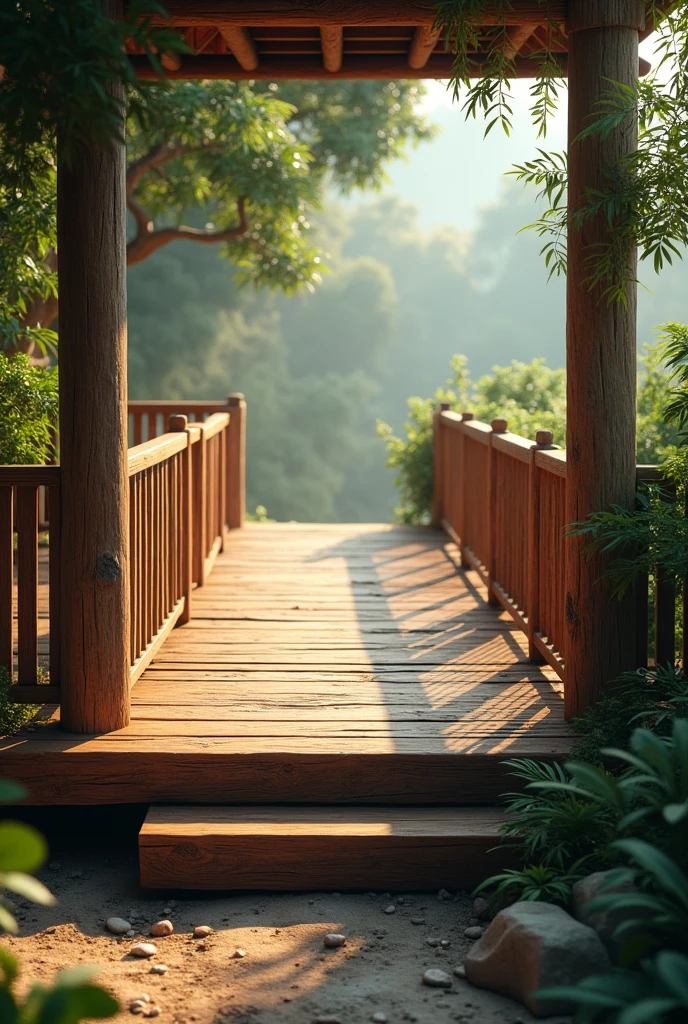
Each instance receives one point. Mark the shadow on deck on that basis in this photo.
(324, 663)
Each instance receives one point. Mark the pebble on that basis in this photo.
(445, 943)
(143, 949)
(130, 934)
(460, 971)
(202, 931)
(153, 1011)
(436, 978)
(77, 874)
(239, 954)
(167, 910)
(432, 942)
(379, 1018)
(136, 1006)
(474, 932)
(391, 909)
(333, 940)
(117, 925)
(417, 920)
(481, 907)
(443, 895)
(161, 928)
(159, 969)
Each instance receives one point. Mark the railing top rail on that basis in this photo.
(159, 449)
(184, 403)
(18, 476)
(552, 461)
(214, 424)
(649, 473)
(476, 430)
(514, 445)
(451, 419)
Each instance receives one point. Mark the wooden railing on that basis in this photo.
(186, 490)
(25, 597)
(502, 499)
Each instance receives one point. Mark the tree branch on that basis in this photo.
(159, 155)
(148, 240)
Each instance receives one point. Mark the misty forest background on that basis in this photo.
(432, 266)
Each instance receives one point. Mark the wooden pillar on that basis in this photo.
(600, 352)
(439, 467)
(236, 454)
(93, 437)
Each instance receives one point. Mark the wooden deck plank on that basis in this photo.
(324, 663)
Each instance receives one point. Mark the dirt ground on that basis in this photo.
(286, 975)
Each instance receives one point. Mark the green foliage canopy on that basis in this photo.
(28, 410)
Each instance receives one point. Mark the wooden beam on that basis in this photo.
(314, 13)
(518, 39)
(375, 66)
(600, 353)
(94, 588)
(423, 43)
(242, 46)
(332, 43)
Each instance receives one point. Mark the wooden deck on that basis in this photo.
(323, 663)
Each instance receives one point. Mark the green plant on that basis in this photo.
(536, 882)
(28, 410)
(13, 716)
(73, 998)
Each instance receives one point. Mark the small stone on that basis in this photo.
(161, 928)
(443, 895)
(143, 949)
(460, 971)
(417, 920)
(391, 909)
(481, 908)
(130, 934)
(371, 895)
(77, 874)
(474, 932)
(159, 969)
(379, 1018)
(117, 925)
(136, 1006)
(333, 940)
(153, 1011)
(445, 943)
(202, 931)
(167, 910)
(436, 978)
(400, 900)
(201, 946)
(239, 954)
(432, 942)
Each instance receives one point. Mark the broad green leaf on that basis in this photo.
(22, 847)
(672, 967)
(7, 921)
(71, 1005)
(8, 966)
(647, 1011)
(28, 886)
(11, 792)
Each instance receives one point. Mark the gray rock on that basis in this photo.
(391, 909)
(333, 940)
(379, 1018)
(117, 925)
(239, 954)
(481, 908)
(202, 931)
(475, 932)
(604, 922)
(417, 920)
(531, 946)
(436, 978)
(460, 971)
(159, 969)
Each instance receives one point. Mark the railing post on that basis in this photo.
(439, 467)
(466, 417)
(236, 468)
(543, 442)
(185, 539)
(6, 577)
(499, 426)
(200, 497)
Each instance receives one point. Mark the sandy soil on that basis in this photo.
(286, 976)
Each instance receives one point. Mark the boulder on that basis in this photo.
(604, 922)
(532, 946)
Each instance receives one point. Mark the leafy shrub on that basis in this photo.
(73, 998)
(28, 410)
(13, 717)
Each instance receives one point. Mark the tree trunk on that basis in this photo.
(93, 437)
(600, 353)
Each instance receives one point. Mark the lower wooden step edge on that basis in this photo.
(306, 848)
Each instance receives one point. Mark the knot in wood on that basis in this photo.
(108, 569)
(571, 614)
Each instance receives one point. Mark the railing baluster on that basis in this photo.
(55, 605)
(665, 619)
(6, 579)
(27, 591)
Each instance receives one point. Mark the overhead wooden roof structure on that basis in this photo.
(303, 39)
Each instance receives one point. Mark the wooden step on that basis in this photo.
(296, 848)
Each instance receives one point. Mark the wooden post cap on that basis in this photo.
(236, 398)
(466, 416)
(499, 425)
(544, 437)
(178, 422)
(445, 406)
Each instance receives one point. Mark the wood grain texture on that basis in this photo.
(324, 663)
(239, 41)
(317, 848)
(601, 356)
(94, 578)
(332, 43)
(425, 39)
